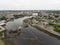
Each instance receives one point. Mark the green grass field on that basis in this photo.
(6, 42)
(1, 42)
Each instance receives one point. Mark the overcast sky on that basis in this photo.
(29, 4)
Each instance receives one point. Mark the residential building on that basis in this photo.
(34, 14)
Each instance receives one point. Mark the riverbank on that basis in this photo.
(1, 42)
(6, 42)
(48, 31)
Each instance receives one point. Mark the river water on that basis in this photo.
(43, 38)
(13, 25)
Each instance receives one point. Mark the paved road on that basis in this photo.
(32, 36)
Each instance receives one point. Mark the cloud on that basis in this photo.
(29, 4)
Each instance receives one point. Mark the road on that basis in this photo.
(32, 36)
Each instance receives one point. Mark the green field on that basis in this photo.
(6, 42)
(1, 42)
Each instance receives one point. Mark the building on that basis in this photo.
(34, 14)
(27, 13)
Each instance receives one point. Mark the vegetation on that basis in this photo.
(26, 20)
(1, 42)
(3, 18)
(51, 18)
(53, 11)
(6, 42)
(1, 34)
(18, 16)
(56, 27)
(1, 31)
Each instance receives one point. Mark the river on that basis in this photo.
(13, 25)
(30, 35)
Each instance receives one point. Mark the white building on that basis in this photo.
(2, 22)
(34, 14)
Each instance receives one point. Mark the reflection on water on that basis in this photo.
(13, 25)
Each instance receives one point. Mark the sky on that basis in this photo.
(29, 4)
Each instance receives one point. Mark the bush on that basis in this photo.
(54, 25)
(1, 33)
(18, 16)
(57, 29)
(3, 18)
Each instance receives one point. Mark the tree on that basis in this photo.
(3, 18)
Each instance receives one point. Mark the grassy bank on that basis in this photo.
(6, 42)
(1, 42)
(56, 27)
